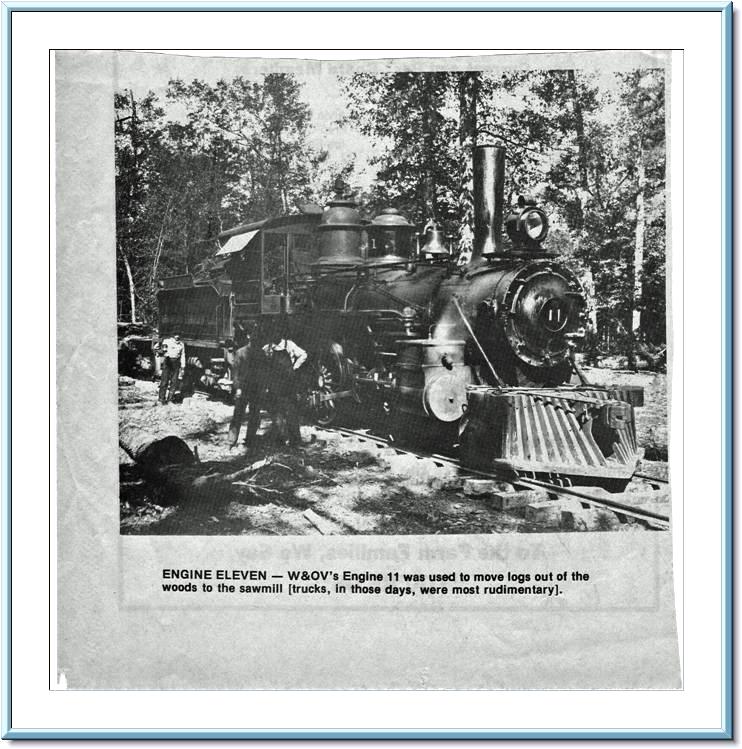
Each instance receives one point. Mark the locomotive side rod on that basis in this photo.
(647, 516)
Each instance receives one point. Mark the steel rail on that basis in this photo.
(649, 477)
(645, 515)
(603, 501)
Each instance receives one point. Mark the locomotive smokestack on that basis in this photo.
(489, 190)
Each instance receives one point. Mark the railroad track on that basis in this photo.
(650, 478)
(652, 519)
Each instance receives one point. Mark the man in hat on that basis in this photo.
(249, 376)
(173, 360)
(284, 358)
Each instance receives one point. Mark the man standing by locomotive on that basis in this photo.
(173, 360)
(285, 358)
(249, 378)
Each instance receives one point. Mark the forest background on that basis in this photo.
(204, 156)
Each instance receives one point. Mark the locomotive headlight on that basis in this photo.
(535, 224)
(527, 226)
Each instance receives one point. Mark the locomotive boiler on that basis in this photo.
(476, 351)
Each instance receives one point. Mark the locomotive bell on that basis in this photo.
(434, 241)
(340, 234)
(390, 237)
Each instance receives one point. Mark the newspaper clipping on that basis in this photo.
(363, 372)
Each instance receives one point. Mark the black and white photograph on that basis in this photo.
(393, 297)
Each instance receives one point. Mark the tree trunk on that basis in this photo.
(429, 108)
(135, 184)
(282, 170)
(638, 260)
(468, 100)
(579, 122)
(160, 244)
(210, 200)
(132, 296)
(579, 130)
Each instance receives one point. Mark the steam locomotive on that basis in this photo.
(477, 351)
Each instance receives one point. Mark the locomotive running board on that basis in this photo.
(585, 434)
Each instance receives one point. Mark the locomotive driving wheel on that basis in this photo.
(329, 376)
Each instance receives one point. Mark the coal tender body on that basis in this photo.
(477, 351)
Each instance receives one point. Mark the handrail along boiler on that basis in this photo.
(478, 353)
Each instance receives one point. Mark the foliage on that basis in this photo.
(603, 175)
(590, 147)
(237, 153)
(407, 111)
(140, 156)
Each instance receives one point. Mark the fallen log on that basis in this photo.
(154, 455)
(170, 465)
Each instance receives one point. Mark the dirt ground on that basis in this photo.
(336, 484)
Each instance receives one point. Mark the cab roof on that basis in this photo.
(301, 223)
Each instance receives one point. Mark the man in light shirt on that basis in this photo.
(297, 354)
(174, 359)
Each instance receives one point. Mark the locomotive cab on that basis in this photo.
(266, 259)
